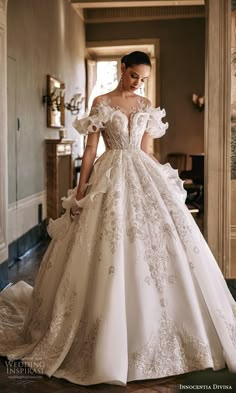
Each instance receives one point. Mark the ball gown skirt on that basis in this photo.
(128, 289)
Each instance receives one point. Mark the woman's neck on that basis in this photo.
(118, 91)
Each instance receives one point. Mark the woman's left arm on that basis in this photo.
(145, 145)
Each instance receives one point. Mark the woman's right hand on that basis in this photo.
(75, 209)
(79, 195)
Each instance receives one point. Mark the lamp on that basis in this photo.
(75, 104)
(198, 101)
(54, 99)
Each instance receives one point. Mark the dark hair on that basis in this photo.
(136, 58)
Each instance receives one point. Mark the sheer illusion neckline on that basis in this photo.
(140, 105)
(128, 113)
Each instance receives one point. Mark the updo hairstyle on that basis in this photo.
(136, 58)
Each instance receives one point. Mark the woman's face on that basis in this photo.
(134, 77)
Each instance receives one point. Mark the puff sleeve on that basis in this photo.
(155, 127)
(92, 123)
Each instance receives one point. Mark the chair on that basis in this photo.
(194, 190)
(177, 161)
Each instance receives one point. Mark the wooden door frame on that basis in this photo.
(217, 131)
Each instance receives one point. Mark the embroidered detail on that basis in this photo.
(230, 325)
(156, 258)
(234, 310)
(148, 280)
(111, 270)
(169, 352)
(163, 302)
(84, 345)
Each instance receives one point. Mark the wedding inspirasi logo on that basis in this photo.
(32, 368)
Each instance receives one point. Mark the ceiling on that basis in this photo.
(115, 11)
(135, 3)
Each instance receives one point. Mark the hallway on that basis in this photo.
(16, 379)
(50, 53)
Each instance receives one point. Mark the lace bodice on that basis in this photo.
(122, 130)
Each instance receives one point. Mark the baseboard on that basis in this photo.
(19, 247)
(4, 275)
(27, 241)
(25, 214)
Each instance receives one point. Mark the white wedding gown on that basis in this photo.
(128, 289)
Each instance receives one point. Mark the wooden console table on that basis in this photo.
(59, 174)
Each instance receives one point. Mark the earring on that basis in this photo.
(121, 81)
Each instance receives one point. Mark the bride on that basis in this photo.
(128, 288)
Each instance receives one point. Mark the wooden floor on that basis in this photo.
(16, 379)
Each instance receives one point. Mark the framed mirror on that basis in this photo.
(55, 102)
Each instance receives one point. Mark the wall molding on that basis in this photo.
(3, 5)
(100, 15)
(133, 3)
(217, 131)
(233, 232)
(3, 133)
(78, 10)
(23, 215)
(125, 11)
